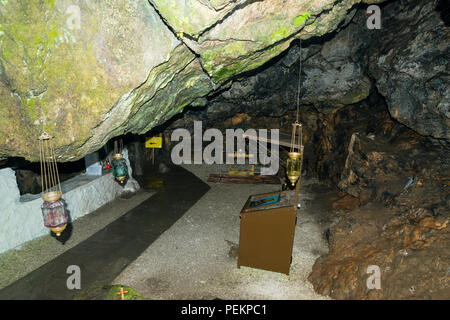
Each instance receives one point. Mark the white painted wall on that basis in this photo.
(22, 221)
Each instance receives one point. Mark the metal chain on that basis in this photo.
(299, 76)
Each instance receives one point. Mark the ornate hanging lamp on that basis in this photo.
(295, 160)
(119, 164)
(53, 208)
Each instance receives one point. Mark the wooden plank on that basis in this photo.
(256, 179)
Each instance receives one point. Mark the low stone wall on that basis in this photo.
(21, 217)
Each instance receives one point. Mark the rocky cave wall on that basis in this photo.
(375, 109)
(344, 86)
(87, 72)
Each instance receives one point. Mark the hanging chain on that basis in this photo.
(299, 77)
(50, 180)
(56, 166)
(297, 124)
(41, 157)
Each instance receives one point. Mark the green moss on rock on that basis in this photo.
(224, 62)
(281, 33)
(123, 70)
(71, 75)
(301, 19)
(51, 72)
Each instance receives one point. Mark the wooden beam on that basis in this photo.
(284, 139)
(257, 179)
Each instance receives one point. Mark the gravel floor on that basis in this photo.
(191, 259)
(16, 263)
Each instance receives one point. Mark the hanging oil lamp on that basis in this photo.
(295, 160)
(119, 164)
(53, 208)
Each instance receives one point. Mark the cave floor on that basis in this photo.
(192, 256)
(195, 258)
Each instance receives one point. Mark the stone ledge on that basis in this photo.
(21, 221)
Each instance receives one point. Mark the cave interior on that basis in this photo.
(374, 104)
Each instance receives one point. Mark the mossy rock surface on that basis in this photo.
(88, 71)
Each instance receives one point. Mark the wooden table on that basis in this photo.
(267, 231)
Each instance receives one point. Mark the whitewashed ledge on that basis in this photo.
(21, 216)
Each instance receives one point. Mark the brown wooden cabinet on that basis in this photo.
(267, 231)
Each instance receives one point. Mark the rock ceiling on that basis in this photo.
(88, 71)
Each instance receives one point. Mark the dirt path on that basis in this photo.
(191, 260)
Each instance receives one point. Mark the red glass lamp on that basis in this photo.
(53, 208)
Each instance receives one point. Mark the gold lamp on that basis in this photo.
(294, 162)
